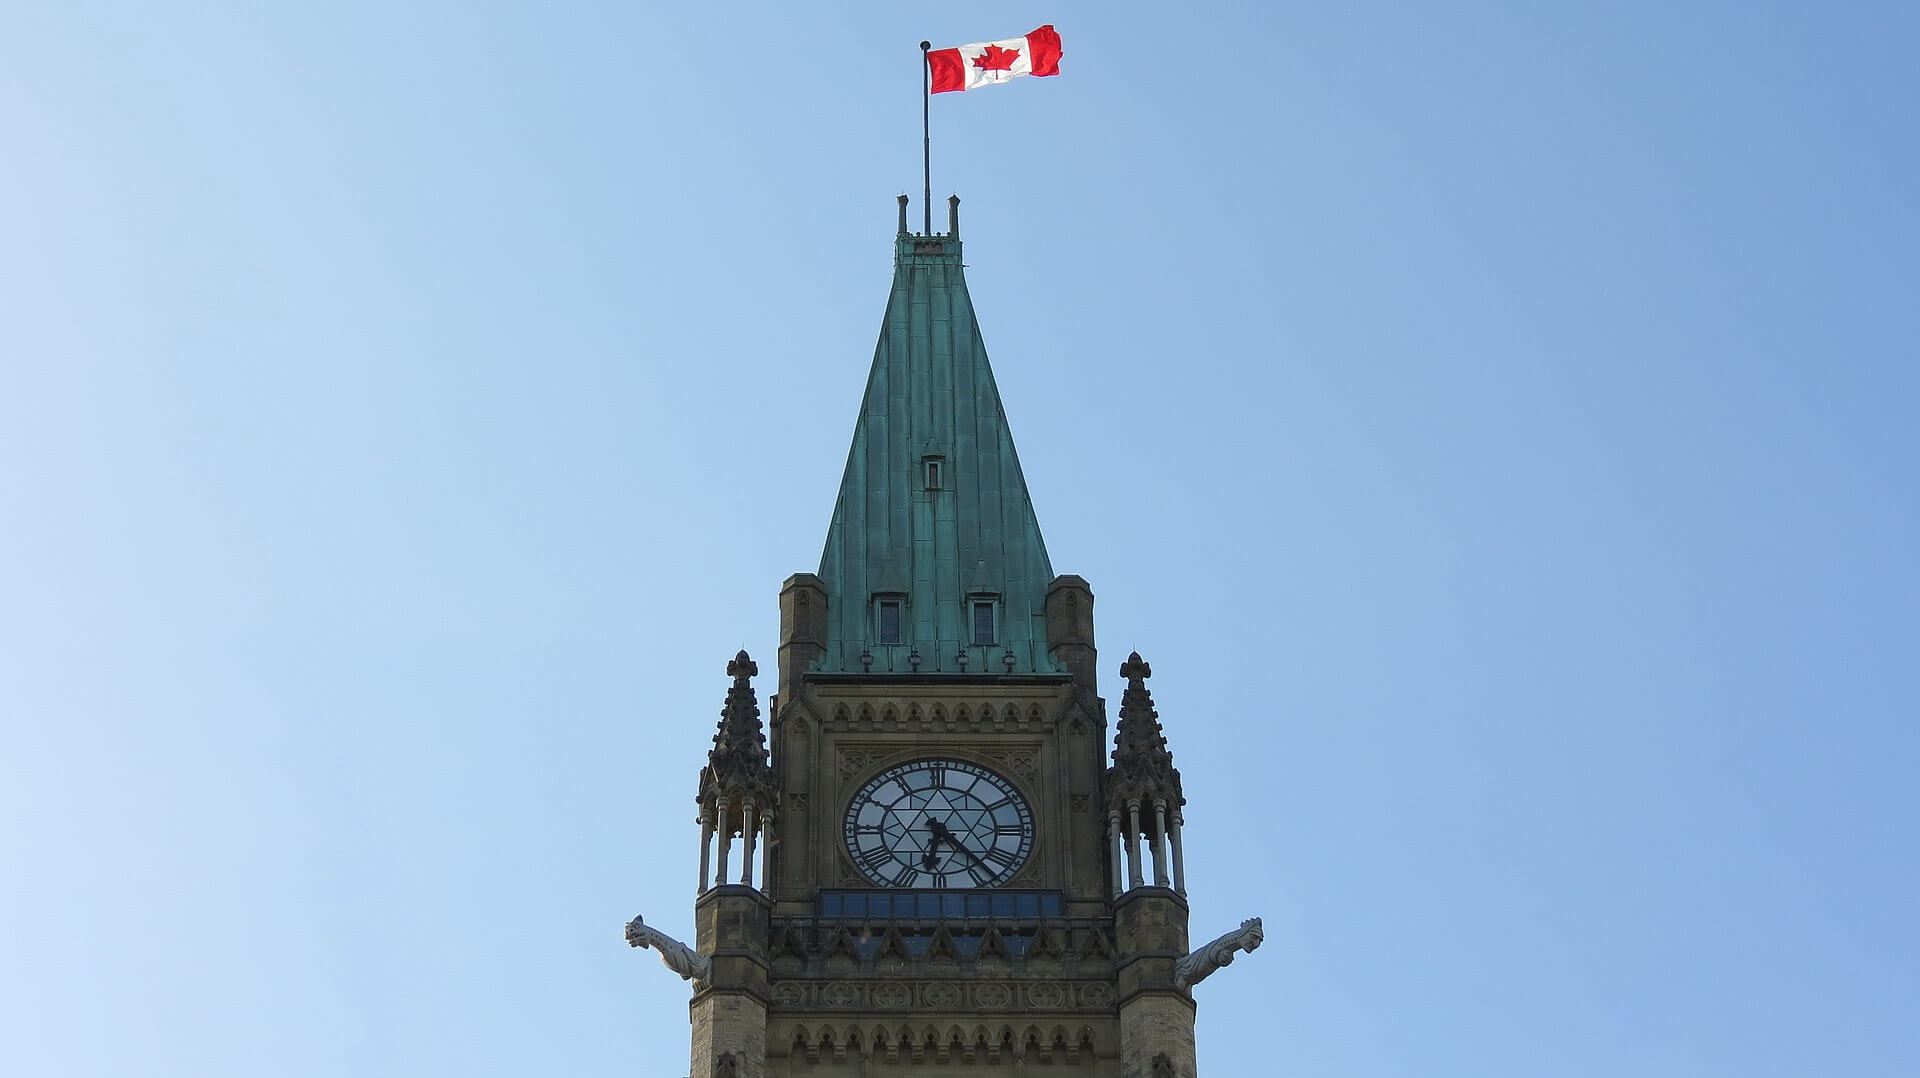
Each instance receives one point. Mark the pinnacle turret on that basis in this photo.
(1143, 790)
(1142, 768)
(737, 765)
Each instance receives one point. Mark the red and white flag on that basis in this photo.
(970, 67)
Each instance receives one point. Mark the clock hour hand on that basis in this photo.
(940, 832)
(930, 858)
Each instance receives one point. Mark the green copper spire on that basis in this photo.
(934, 552)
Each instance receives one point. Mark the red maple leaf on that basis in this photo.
(996, 59)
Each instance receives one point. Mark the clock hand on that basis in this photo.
(930, 858)
(954, 841)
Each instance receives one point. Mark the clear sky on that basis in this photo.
(1496, 423)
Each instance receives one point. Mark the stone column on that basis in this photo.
(749, 831)
(1113, 840)
(706, 850)
(766, 849)
(1179, 859)
(726, 844)
(1134, 878)
(1159, 842)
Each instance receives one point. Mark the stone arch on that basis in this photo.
(1010, 714)
(866, 713)
(890, 714)
(913, 712)
(1034, 714)
(962, 714)
(841, 714)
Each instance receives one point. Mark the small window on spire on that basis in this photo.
(888, 615)
(983, 621)
(933, 469)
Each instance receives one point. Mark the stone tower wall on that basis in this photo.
(729, 1014)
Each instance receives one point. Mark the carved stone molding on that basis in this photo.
(1022, 762)
(914, 716)
(1046, 996)
(994, 996)
(907, 995)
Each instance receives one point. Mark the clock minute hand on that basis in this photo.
(954, 841)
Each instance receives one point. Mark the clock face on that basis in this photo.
(939, 823)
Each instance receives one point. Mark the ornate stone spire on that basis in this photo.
(1142, 770)
(737, 768)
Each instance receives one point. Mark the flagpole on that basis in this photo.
(926, 135)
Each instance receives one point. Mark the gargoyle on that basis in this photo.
(690, 964)
(1196, 966)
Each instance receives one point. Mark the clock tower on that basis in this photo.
(938, 851)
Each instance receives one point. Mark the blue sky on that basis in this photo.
(1494, 421)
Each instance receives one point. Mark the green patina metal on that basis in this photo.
(935, 543)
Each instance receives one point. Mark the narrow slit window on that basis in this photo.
(983, 622)
(889, 621)
(933, 473)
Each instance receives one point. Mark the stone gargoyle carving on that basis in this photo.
(1196, 966)
(690, 964)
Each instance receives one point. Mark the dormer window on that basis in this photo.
(983, 621)
(934, 469)
(886, 616)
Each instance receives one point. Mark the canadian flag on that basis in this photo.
(972, 66)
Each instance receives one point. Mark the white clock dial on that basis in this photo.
(939, 823)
